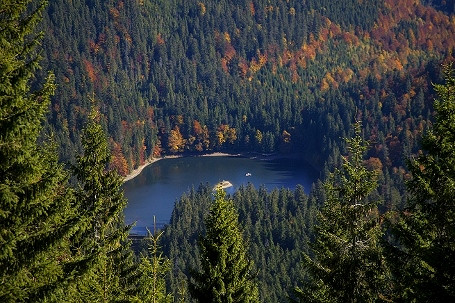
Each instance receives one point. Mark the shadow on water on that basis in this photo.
(291, 172)
(159, 186)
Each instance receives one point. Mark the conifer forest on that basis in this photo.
(362, 90)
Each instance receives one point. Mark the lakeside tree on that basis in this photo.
(101, 250)
(424, 257)
(345, 263)
(226, 272)
(34, 201)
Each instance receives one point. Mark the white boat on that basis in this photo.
(247, 174)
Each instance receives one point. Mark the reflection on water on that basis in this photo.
(156, 189)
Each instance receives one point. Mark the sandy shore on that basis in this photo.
(138, 170)
(135, 172)
(219, 155)
(223, 185)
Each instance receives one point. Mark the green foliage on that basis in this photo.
(34, 203)
(424, 257)
(277, 225)
(226, 271)
(153, 268)
(346, 263)
(254, 67)
(179, 76)
(100, 247)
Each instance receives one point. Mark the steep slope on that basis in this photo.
(251, 75)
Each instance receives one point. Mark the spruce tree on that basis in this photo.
(345, 263)
(226, 272)
(34, 204)
(424, 255)
(152, 269)
(101, 250)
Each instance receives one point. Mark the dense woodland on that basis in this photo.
(91, 89)
(266, 76)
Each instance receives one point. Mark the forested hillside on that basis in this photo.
(277, 226)
(120, 82)
(267, 76)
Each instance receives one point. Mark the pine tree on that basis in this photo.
(424, 257)
(100, 247)
(34, 203)
(153, 268)
(346, 264)
(226, 272)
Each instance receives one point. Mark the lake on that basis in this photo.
(155, 191)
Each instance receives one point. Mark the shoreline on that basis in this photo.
(136, 172)
(219, 154)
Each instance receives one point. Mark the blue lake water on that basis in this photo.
(155, 191)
